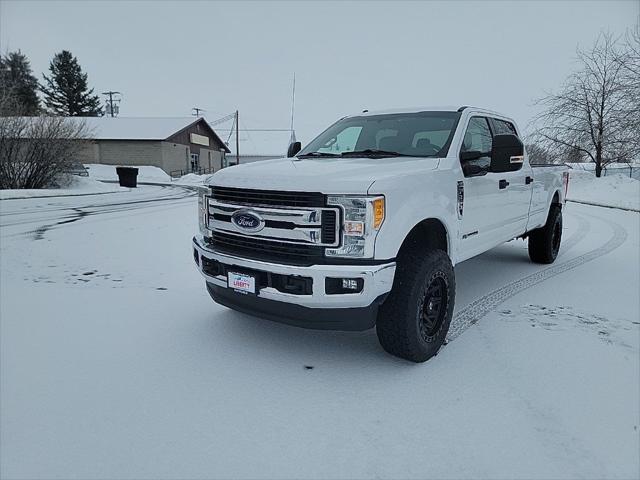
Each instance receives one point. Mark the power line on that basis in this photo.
(256, 129)
(223, 119)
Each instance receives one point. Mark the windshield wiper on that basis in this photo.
(318, 154)
(372, 152)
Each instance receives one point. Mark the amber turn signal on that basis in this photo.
(378, 212)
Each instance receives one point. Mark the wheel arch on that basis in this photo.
(430, 233)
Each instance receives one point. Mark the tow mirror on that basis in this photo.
(470, 155)
(294, 148)
(507, 153)
(472, 169)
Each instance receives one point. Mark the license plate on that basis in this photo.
(241, 283)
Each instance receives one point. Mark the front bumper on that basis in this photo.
(378, 280)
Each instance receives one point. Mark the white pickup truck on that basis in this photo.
(363, 226)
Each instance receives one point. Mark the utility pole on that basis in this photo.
(237, 140)
(112, 109)
(196, 111)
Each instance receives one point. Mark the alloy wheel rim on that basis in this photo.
(557, 232)
(433, 308)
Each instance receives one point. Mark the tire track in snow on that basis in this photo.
(73, 214)
(166, 194)
(583, 228)
(480, 307)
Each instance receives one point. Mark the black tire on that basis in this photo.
(544, 242)
(408, 325)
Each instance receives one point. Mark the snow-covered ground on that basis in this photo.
(77, 186)
(615, 189)
(100, 180)
(145, 174)
(115, 363)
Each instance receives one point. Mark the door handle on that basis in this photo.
(528, 180)
(503, 184)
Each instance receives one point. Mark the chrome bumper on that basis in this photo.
(378, 279)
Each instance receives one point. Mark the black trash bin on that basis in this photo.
(128, 176)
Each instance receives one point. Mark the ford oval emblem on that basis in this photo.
(247, 221)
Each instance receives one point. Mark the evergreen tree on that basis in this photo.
(66, 91)
(19, 86)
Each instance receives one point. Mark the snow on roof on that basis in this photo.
(258, 143)
(135, 128)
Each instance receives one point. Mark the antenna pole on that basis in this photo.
(237, 140)
(293, 100)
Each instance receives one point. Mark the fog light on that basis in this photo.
(336, 286)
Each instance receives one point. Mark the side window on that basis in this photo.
(478, 138)
(501, 127)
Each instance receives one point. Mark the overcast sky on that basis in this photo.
(169, 56)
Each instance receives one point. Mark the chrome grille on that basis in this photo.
(294, 224)
(309, 225)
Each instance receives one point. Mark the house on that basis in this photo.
(176, 145)
(256, 145)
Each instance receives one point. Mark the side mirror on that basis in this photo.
(507, 153)
(472, 169)
(470, 155)
(294, 148)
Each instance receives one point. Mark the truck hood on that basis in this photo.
(326, 175)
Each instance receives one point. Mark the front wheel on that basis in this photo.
(414, 320)
(544, 242)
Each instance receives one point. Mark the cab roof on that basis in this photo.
(449, 108)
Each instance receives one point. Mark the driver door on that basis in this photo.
(483, 221)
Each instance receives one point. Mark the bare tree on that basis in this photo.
(36, 151)
(538, 155)
(594, 113)
(630, 64)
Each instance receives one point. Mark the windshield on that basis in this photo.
(423, 134)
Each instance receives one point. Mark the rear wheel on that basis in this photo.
(414, 320)
(544, 242)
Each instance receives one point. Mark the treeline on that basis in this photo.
(63, 92)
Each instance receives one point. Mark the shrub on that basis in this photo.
(36, 151)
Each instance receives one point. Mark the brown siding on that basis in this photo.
(184, 138)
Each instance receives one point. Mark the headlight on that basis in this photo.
(202, 210)
(363, 217)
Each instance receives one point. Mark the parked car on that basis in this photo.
(77, 168)
(363, 226)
